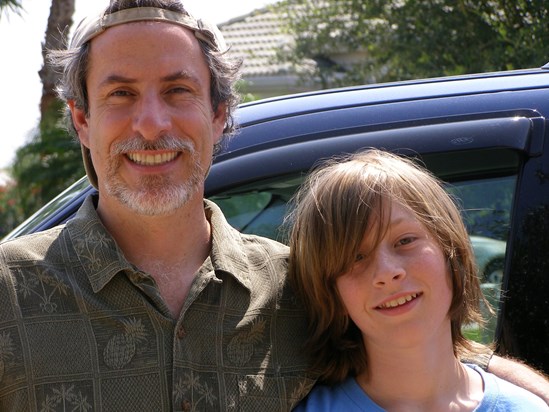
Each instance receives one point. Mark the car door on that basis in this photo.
(481, 158)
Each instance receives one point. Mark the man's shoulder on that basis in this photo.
(256, 254)
(30, 247)
(272, 247)
(232, 242)
(39, 243)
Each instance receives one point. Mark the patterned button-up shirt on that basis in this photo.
(82, 329)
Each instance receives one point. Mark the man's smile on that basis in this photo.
(152, 159)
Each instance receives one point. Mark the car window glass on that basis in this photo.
(486, 208)
(260, 209)
(487, 205)
(243, 210)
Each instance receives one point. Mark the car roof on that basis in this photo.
(371, 94)
(314, 115)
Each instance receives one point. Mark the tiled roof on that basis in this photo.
(255, 37)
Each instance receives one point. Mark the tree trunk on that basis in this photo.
(57, 31)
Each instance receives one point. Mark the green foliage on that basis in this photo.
(406, 39)
(47, 165)
(52, 160)
(10, 213)
(245, 95)
(10, 5)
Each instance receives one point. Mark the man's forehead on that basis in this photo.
(123, 54)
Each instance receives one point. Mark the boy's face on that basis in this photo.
(400, 293)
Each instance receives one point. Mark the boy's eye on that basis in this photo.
(406, 241)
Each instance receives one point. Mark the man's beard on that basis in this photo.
(155, 195)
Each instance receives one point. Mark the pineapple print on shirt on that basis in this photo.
(121, 347)
(241, 348)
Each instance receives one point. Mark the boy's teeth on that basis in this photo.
(397, 302)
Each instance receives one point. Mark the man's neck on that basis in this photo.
(169, 248)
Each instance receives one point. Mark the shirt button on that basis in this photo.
(181, 332)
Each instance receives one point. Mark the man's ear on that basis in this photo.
(219, 119)
(80, 122)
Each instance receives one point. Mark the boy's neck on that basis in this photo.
(426, 379)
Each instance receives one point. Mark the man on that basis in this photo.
(148, 300)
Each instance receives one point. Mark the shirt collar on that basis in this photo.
(97, 251)
(102, 259)
(227, 252)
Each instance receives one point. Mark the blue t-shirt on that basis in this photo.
(499, 396)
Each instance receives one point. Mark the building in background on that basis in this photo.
(257, 37)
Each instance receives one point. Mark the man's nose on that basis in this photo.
(152, 116)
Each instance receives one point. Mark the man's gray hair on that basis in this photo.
(74, 61)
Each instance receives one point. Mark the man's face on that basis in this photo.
(151, 127)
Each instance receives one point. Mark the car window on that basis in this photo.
(260, 209)
(486, 208)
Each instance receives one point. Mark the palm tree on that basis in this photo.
(13, 5)
(52, 159)
(57, 30)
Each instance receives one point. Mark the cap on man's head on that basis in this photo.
(93, 26)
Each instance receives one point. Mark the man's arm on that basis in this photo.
(522, 375)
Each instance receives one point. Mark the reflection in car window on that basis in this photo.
(487, 204)
(244, 209)
(487, 213)
(261, 207)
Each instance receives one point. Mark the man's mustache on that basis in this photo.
(139, 143)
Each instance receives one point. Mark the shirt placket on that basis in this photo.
(189, 387)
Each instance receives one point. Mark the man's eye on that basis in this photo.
(178, 90)
(120, 93)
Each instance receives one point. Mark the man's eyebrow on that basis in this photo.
(115, 78)
(181, 75)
